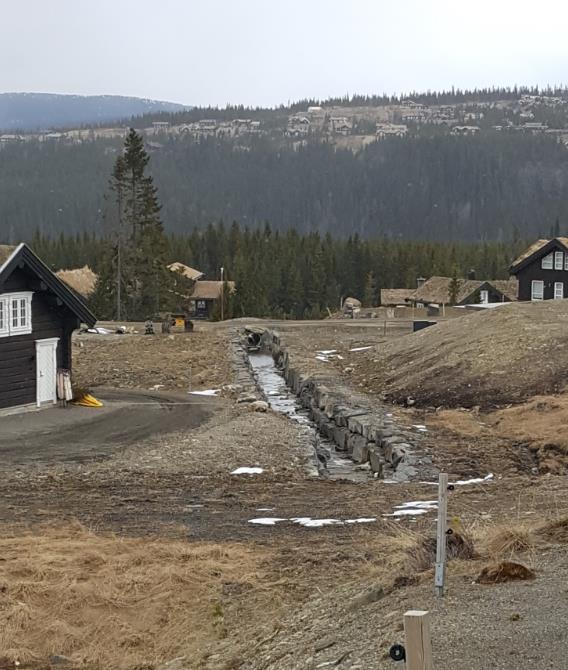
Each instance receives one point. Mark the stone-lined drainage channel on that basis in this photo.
(347, 436)
(329, 462)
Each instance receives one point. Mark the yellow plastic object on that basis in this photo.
(87, 400)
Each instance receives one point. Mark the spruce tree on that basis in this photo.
(151, 284)
(369, 293)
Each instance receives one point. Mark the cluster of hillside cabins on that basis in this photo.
(40, 309)
(539, 273)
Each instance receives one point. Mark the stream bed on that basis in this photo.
(329, 462)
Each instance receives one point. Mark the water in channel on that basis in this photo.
(331, 463)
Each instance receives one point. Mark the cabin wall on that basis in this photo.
(18, 353)
(534, 271)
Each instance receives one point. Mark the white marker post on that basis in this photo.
(418, 642)
(440, 573)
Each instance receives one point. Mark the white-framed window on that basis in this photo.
(566, 261)
(558, 260)
(558, 290)
(484, 297)
(537, 289)
(16, 314)
(548, 262)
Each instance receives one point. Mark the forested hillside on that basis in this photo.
(491, 186)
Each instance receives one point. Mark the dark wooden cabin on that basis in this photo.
(542, 270)
(38, 314)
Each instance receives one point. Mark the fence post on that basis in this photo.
(418, 641)
(440, 572)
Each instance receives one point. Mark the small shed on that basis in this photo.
(205, 295)
(38, 314)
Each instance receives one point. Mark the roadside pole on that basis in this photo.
(440, 573)
(222, 295)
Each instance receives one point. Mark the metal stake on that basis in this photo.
(440, 573)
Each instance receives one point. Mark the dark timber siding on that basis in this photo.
(18, 353)
(534, 271)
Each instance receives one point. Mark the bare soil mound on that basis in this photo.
(489, 358)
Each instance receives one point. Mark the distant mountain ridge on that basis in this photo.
(42, 111)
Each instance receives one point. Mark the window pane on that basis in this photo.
(14, 313)
(547, 262)
(558, 260)
(23, 315)
(1, 315)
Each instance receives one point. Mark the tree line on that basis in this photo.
(283, 274)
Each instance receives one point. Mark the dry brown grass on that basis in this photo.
(112, 602)
(509, 540)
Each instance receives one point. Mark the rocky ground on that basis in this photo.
(154, 536)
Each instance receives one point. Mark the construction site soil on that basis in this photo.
(140, 552)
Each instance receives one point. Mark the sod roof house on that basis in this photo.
(395, 297)
(542, 270)
(205, 294)
(38, 314)
(82, 280)
(437, 291)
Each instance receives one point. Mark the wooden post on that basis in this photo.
(440, 573)
(418, 641)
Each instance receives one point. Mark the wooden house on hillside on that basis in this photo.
(82, 280)
(542, 270)
(438, 291)
(38, 314)
(205, 295)
(395, 297)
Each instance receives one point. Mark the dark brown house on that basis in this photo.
(542, 270)
(38, 314)
(437, 291)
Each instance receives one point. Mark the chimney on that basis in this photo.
(471, 274)
(420, 282)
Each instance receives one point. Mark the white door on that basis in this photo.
(46, 357)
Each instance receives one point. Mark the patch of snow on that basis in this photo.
(478, 480)
(327, 352)
(266, 521)
(325, 359)
(247, 471)
(419, 504)
(265, 509)
(465, 482)
(419, 426)
(408, 512)
(414, 508)
(362, 520)
(209, 392)
(360, 348)
(308, 522)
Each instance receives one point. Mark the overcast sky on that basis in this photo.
(264, 52)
